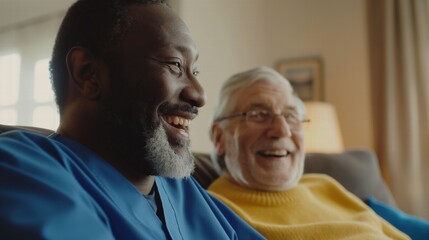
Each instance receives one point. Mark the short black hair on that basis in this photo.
(93, 24)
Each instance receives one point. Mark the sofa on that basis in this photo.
(356, 169)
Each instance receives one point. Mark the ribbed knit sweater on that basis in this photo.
(318, 207)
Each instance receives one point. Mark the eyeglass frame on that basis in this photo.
(272, 115)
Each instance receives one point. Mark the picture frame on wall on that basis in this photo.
(305, 76)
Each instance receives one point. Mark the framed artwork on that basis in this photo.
(305, 75)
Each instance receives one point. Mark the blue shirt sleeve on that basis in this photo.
(40, 200)
(414, 227)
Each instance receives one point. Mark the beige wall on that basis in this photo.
(235, 35)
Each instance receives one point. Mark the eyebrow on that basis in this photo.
(266, 106)
(186, 50)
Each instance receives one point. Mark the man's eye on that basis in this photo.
(176, 67)
(291, 118)
(259, 115)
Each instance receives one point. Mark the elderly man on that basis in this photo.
(125, 81)
(257, 135)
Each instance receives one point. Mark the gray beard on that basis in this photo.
(146, 148)
(164, 160)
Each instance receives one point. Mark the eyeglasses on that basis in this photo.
(263, 118)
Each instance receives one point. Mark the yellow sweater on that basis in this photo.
(317, 208)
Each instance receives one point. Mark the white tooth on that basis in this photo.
(186, 122)
(276, 152)
(176, 120)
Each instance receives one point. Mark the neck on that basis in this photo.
(144, 184)
(96, 141)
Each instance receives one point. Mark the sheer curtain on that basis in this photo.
(399, 52)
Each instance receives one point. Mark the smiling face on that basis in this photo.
(154, 93)
(269, 158)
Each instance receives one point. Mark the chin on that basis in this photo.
(168, 159)
(293, 181)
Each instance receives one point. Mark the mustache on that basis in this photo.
(165, 108)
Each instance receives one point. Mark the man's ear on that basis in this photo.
(85, 72)
(217, 137)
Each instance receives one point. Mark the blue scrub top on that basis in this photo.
(55, 188)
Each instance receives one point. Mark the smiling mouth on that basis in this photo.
(274, 153)
(177, 122)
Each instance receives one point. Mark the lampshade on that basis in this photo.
(322, 135)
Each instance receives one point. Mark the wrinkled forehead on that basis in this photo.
(274, 95)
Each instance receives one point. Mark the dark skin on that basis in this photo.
(144, 86)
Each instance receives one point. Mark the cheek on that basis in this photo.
(245, 141)
(249, 139)
(150, 84)
(233, 152)
(298, 139)
(232, 149)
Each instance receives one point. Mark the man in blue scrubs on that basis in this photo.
(118, 167)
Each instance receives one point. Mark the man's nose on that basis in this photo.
(279, 128)
(194, 93)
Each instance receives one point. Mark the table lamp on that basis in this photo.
(322, 134)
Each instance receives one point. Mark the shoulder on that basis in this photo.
(17, 145)
(30, 156)
(316, 180)
(24, 141)
(22, 145)
(327, 188)
(16, 137)
(26, 148)
(322, 183)
(37, 177)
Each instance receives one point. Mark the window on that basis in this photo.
(16, 108)
(9, 87)
(44, 113)
(42, 85)
(26, 96)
